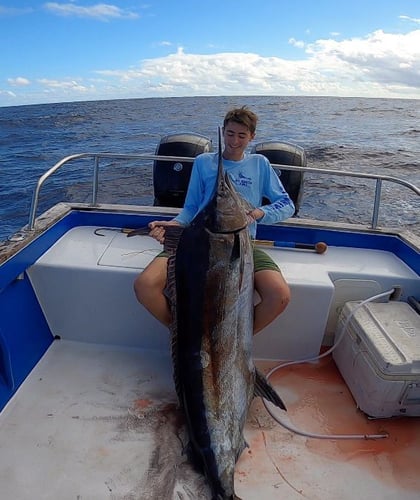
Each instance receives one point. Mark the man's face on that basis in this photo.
(236, 138)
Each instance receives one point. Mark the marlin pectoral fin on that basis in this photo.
(264, 389)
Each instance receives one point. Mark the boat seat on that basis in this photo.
(84, 284)
(320, 286)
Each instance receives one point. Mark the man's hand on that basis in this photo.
(254, 215)
(157, 229)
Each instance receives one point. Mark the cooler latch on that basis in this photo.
(411, 395)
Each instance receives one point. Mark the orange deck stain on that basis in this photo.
(322, 404)
(141, 404)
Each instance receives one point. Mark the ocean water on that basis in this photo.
(351, 134)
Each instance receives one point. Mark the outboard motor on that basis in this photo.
(284, 153)
(171, 178)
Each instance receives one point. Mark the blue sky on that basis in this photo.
(77, 50)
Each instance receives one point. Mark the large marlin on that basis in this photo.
(211, 287)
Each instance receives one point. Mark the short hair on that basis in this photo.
(244, 116)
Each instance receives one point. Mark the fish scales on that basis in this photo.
(214, 322)
(210, 289)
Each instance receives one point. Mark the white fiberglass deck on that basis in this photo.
(95, 422)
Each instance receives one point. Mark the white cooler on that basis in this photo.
(379, 357)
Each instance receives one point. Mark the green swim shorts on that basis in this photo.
(262, 261)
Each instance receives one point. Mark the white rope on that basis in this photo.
(340, 337)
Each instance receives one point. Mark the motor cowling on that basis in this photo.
(284, 153)
(171, 178)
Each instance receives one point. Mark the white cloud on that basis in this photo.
(8, 93)
(411, 19)
(67, 85)
(378, 65)
(101, 11)
(20, 81)
(383, 58)
(297, 43)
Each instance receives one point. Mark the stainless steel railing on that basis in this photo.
(147, 157)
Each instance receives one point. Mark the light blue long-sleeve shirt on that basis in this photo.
(253, 178)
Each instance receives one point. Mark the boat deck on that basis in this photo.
(97, 421)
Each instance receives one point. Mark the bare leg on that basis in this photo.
(149, 286)
(273, 290)
(275, 296)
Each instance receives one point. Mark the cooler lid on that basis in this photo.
(391, 334)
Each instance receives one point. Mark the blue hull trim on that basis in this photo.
(24, 336)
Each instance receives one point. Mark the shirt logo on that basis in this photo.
(242, 180)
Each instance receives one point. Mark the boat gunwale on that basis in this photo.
(62, 211)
